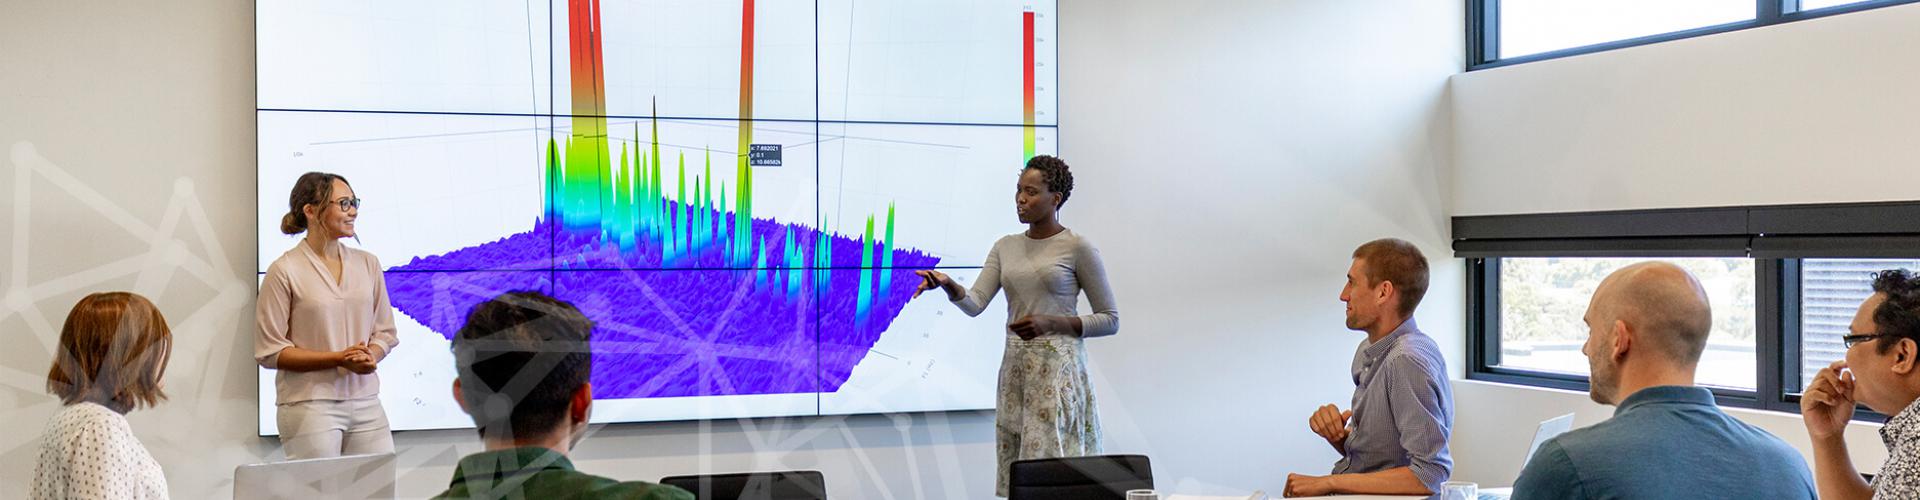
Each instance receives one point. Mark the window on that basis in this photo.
(1784, 283)
(1543, 302)
(1502, 32)
(1535, 26)
(1831, 291)
(1806, 5)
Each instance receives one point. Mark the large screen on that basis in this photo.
(737, 192)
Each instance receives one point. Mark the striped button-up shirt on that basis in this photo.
(1402, 408)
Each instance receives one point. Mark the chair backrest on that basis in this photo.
(356, 477)
(1098, 477)
(787, 485)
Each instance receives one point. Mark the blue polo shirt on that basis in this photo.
(1666, 442)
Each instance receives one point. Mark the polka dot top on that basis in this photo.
(89, 452)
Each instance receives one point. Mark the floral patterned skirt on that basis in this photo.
(1045, 407)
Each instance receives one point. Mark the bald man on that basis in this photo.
(1647, 324)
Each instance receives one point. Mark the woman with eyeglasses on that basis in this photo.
(325, 324)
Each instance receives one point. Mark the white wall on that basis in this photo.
(1230, 156)
(1806, 112)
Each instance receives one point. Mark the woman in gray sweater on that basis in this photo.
(1045, 407)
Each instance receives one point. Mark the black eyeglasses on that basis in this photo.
(1853, 340)
(348, 203)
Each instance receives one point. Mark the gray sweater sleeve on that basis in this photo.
(1091, 272)
(984, 287)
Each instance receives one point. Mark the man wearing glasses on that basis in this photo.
(1881, 371)
(1647, 325)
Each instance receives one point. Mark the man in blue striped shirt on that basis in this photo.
(1393, 439)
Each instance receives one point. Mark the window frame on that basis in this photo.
(1483, 30)
(1483, 344)
(1776, 237)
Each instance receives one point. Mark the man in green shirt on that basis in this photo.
(524, 364)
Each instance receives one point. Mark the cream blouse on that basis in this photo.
(302, 305)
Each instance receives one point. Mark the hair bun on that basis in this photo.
(292, 223)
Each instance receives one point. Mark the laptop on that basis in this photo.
(1549, 429)
(357, 477)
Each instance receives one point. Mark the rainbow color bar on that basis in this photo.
(1026, 91)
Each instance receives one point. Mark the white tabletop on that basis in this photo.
(1501, 492)
(1368, 497)
(1178, 496)
(1504, 492)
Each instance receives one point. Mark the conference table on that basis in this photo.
(1496, 492)
(1178, 496)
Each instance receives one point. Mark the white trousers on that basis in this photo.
(325, 428)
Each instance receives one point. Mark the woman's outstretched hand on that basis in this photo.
(931, 279)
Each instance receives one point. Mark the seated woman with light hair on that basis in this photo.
(113, 351)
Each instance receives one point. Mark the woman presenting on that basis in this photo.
(325, 324)
(1045, 407)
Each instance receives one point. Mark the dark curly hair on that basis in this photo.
(1059, 178)
(1899, 316)
(520, 357)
